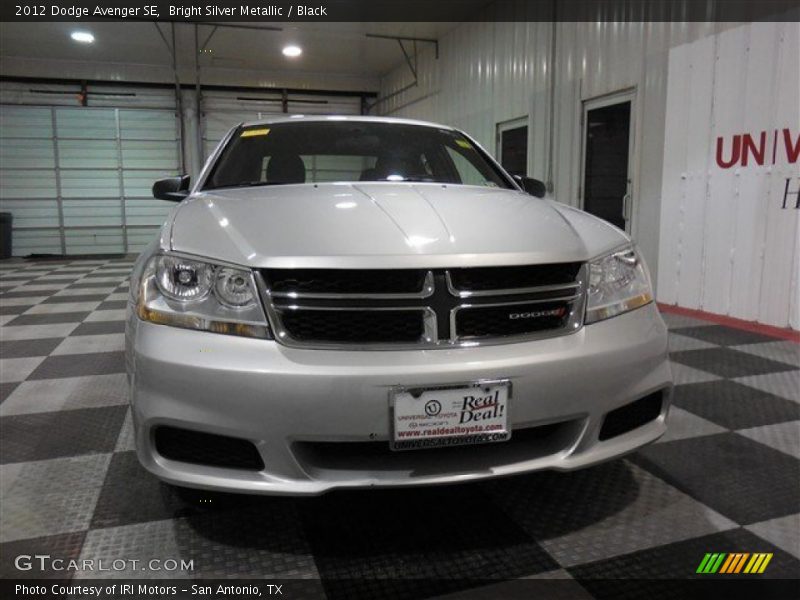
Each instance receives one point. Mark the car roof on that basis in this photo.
(328, 118)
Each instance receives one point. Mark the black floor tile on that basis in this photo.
(420, 542)
(746, 481)
(99, 328)
(670, 571)
(112, 305)
(48, 279)
(68, 299)
(77, 365)
(6, 389)
(22, 348)
(550, 504)
(96, 274)
(733, 405)
(727, 362)
(42, 436)
(724, 336)
(66, 547)
(29, 294)
(79, 285)
(13, 309)
(263, 535)
(48, 319)
(132, 495)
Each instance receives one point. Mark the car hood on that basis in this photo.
(384, 225)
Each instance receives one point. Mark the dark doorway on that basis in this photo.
(514, 150)
(606, 162)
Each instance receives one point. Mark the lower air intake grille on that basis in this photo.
(208, 449)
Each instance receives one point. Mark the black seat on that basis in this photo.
(393, 165)
(286, 168)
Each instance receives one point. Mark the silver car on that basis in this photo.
(348, 302)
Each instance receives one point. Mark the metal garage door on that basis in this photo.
(78, 179)
(223, 110)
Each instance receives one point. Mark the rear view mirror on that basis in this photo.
(534, 187)
(173, 189)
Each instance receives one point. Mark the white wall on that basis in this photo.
(729, 239)
(488, 73)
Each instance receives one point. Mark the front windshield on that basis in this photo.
(351, 151)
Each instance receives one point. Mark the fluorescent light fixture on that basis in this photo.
(292, 51)
(83, 37)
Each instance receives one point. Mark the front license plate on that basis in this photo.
(474, 413)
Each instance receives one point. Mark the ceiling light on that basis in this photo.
(83, 37)
(292, 51)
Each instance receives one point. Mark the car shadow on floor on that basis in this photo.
(434, 537)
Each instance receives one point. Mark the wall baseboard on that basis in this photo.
(769, 330)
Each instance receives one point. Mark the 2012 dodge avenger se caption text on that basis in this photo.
(344, 302)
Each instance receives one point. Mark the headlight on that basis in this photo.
(193, 294)
(618, 282)
(181, 279)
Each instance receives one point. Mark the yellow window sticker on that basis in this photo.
(464, 144)
(254, 132)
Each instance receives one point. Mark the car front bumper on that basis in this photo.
(320, 418)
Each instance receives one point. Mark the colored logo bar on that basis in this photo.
(734, 562)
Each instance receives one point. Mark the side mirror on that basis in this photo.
(534, 187)
(173, 189)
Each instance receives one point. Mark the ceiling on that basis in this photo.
(330, 48)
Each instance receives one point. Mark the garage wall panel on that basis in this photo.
(23, 153)
(36, 241)
(78, 179)
(28, 176)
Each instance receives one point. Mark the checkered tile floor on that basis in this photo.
(725, 478)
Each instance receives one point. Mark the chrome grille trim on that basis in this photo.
(462, 293)
(275, 304)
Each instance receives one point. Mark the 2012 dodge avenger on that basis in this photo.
(346, 302)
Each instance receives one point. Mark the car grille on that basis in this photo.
(419, 307)
(362, 281)
(497, 320)
(354, 326)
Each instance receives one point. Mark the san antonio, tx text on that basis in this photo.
(235, 591)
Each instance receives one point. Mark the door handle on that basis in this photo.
(626, 207)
